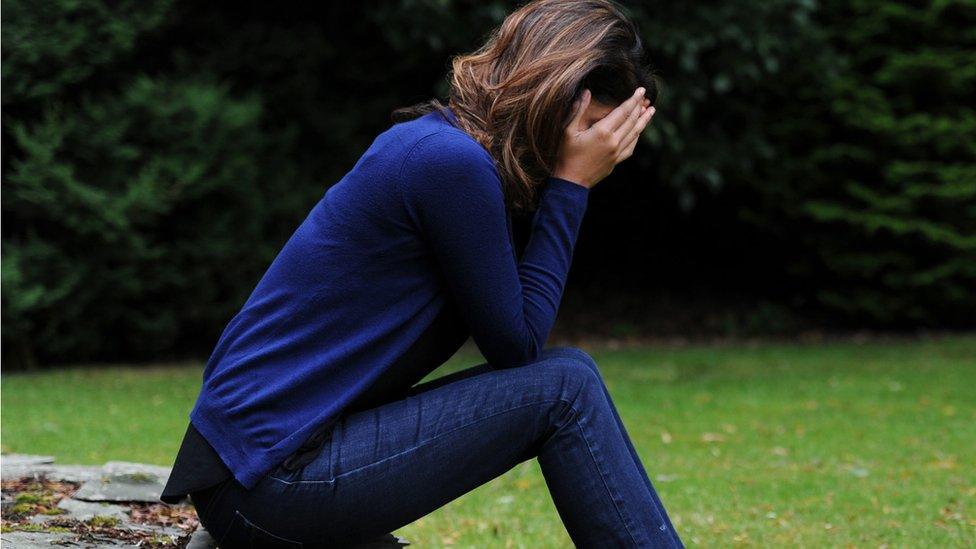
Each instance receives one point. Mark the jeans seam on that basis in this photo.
(603, 478)
(424, 443)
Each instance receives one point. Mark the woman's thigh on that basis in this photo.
(385, 467)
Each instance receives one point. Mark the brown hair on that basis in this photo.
(514, 95)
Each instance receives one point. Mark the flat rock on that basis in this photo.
(28, 465)
(116, 481)
(130, 468)
(24, 459)
(170, 531)
(85, 510)
(67, 473)
(201, 539)
(47, 540)
(125, 481)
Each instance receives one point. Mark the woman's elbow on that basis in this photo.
(515, 353)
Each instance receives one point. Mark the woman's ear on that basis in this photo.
(582, 101)
(580, 105)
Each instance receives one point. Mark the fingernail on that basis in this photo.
(640, 91)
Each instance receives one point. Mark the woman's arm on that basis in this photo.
(453, 195)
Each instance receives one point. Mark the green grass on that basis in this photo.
(841, 444)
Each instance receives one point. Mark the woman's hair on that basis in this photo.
(515, 94)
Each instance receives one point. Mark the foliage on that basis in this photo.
(135, 210)
(158, 154)
(877, 176)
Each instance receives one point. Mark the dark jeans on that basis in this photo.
(383, 468)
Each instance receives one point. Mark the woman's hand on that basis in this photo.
(587, 155)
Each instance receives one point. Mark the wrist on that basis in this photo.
(566, 188)
(572, 178)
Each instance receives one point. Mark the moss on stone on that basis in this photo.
(101, 520)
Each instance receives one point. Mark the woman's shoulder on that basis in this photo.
(446, 161)
(433, 143)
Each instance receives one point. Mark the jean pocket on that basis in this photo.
(245, 534)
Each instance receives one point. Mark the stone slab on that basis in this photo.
(25, 459)
(85, 510)
(125, 481)
(116, 481)
(67, 473)
(128, 467)
(201, 539)
(47, 540)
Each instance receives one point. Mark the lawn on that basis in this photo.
(840, 444)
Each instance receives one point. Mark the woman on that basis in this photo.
(309, 431)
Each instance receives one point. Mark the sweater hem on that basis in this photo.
(216, 434)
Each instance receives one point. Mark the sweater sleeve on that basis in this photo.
(453, 196)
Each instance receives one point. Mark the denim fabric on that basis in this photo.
(382, 468)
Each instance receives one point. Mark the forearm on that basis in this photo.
(548, 255)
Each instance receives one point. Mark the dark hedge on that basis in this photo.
(815, 159)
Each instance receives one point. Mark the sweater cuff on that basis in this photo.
(567, 188)
(566, 197)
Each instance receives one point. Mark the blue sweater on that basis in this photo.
(417, 225)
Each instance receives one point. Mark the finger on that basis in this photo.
(627, 150)
(617, 116)
(581, 104)
(645, 119)
(642, 121)
(623, 131)
(621, 114)
(631, 142)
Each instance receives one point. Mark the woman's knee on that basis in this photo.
(576, 371)
(575, 354)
